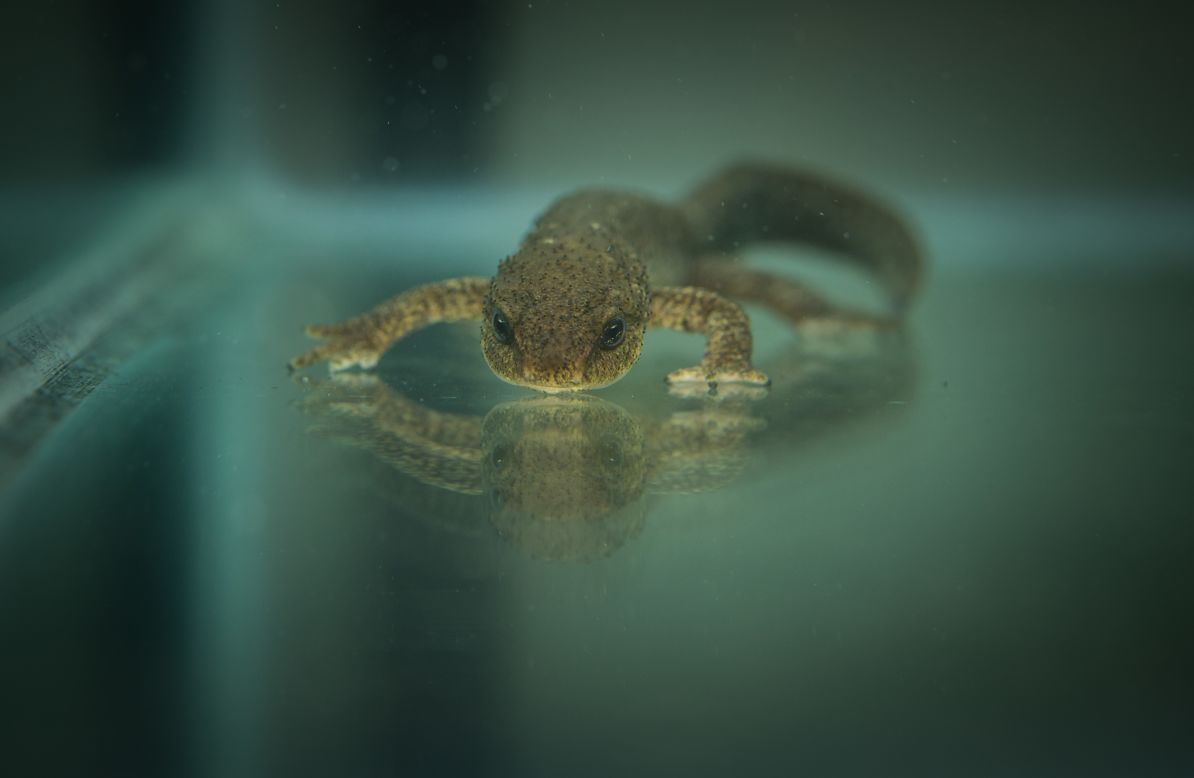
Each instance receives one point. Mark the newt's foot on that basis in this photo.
(345, 348)
(698, 381)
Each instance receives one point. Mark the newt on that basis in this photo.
(568, 310)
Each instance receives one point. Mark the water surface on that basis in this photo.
(962, 552)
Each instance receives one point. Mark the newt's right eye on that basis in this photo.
(501, 328)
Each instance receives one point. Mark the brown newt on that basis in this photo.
(569, 309)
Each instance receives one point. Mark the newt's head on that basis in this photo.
(564, 317)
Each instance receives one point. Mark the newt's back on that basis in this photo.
(632, 229)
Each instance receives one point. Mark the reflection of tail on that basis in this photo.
(831, 379)
(753, 202)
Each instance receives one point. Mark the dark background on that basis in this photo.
(935, 95)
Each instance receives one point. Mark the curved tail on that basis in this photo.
(755, 202)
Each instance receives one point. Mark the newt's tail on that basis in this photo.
(754, 202)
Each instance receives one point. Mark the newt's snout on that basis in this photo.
(555, 365)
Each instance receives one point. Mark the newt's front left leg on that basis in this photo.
(362, 340)
(726, 364)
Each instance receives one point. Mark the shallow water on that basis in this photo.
(966, 550)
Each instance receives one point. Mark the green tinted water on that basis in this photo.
(966, 551)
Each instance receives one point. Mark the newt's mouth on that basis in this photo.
(567, 378)
(555, 387)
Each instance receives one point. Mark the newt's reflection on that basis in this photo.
(561, 477)
(565, 476)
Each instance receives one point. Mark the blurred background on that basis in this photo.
(925, 99)
(184, 591)
(939, 96)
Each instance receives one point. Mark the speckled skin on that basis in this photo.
(600, 259)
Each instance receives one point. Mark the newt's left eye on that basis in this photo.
(613, 332)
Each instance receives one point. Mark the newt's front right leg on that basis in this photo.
(362, 340)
